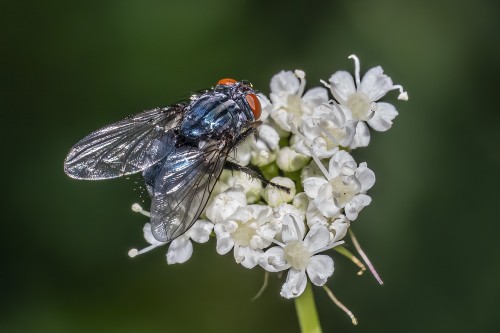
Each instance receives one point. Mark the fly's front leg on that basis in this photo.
(253, 173)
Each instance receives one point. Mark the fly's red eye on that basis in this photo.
(226, 81)
(254, 103)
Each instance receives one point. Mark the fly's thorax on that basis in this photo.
(219, 113)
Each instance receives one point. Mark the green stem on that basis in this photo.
(306, 312)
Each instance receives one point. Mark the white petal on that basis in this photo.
(353, 208)
(338, 161)
(315, 96)
(382, 117)
(339, 228)
(269, 136)
(224, 241)
(224, 204)
(179, 251)
(266, 106)
(362, 136)
(312, 185)
(244, 152)
(280, 117)
(327, 207)
(295, 284)
(285, 83)
(375, 84)
(293, 228)
(273, 260)
(320, 269)
(313, 215)
(342, 86)
(365, 176)
(201, 230)
(317, 238)
(246, 256)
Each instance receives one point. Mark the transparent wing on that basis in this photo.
(128, 146)
(182, 188)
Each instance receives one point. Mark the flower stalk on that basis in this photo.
(306, 312)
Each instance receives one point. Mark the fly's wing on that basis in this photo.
(128, 146)
(182, 188)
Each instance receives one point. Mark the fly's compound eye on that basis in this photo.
(254, 103)
(226, 81)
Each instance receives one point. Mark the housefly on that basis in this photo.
(180, 149)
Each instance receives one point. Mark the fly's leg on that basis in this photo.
(253, 173)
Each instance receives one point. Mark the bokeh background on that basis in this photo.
(68, 68)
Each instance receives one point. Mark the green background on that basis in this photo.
(432, 230)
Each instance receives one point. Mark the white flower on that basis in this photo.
(338, 228)
(300, 255)
(275, 196)
(264, 147)
(343, 187)
(329, 127)
(248, 232)
(361, 96)
(225, 204)
(284, 209)
(181, 248)
(289, 100)
(289, 160)
(251, 186)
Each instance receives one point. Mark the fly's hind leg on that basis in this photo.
(253, 173)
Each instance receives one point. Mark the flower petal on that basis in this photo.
(247, 256)
(382, 117)
(317, 238)
(224, 241)
(320, 269)
(293, 228)
(179, 251)
(362, 136)
(313, 215)
(273, 260)
(338, 161)
(295, 284)
(201, 230)
(312, 186)
(339, 228)
(353, 208)
(226, 203)
(315, 96)
(375, 84)
(268, 136)
(342, 86)
(365, 176)
(285, 82)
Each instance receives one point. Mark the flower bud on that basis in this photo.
(274, 196)
(289, 160)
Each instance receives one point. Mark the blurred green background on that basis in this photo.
(68, 68)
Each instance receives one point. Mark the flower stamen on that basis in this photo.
(340, 305)
(365, 258)
(357, 69)
(137, 208)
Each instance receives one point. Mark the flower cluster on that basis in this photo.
(304, 143)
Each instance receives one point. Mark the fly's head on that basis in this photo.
(245, 96)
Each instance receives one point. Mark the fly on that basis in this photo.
(180, 149)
